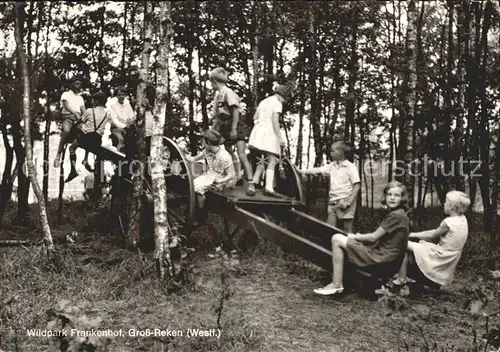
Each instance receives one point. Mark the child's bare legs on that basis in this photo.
(402, 278)
(347, 225)
(332, 216)
(236, 162)
(72, 157)
(259, 170)
(117, 138)
(241, 147)
(201, 198)
(201, 212)
(339, 245)
(65, 131)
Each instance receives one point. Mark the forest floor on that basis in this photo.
(261, 299)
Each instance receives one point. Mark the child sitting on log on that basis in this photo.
(88, 131)
(219, 174)
(379, 253)
(436, 254)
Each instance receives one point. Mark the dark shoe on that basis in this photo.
(251, 190)
(72, 175)
(271, 193)
(87, 166)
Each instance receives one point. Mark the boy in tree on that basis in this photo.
(73, 107)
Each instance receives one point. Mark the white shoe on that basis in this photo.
(329, 290)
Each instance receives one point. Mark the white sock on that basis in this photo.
(269, 180)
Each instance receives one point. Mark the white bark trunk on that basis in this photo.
(162, 235)
(47, 236)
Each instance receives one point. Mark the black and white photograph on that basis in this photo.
(247, 176)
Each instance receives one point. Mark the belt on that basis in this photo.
(334, 202)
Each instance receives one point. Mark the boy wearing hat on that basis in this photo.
(227, 121)
(266, 135)
(73, 106)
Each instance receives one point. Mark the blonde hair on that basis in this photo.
(459, 201)
(218, 74)
(404, 193)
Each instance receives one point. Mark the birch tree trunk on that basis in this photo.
(134, 214)
(407, 119)
(47, 237)
(255, 57)
(162, 235)
(46, 133)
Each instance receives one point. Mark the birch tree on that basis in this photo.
(162, 235)
(134, 213)
(408, 113)
(47, 237)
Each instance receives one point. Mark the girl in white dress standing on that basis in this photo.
(266, 136)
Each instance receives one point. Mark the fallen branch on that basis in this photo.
(14, 243)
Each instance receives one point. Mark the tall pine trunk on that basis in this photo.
(353, 73)
(7, 179)
(314, 120)
(47, 237)
(484, 134)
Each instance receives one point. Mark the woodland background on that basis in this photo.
(406, 81)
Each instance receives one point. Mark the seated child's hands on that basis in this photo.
(217, 180)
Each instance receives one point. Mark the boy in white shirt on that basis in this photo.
(344, 186)
(122, 117)
(72, 108)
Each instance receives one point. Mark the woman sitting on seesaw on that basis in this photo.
(436, 255)
(380, 252)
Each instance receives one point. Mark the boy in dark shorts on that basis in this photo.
(228, 122)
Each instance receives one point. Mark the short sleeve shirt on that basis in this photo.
(218, 162)
(343, 176)
(101, 118)
(224, 99)
(395, 240)
(75, 101)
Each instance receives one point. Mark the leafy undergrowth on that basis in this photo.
(261, 301)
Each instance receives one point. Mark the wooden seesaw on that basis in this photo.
(279, 220)
(254, 214)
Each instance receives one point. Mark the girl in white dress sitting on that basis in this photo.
(438, 251)
(266, 136)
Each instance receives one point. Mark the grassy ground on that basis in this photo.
(261, 301)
